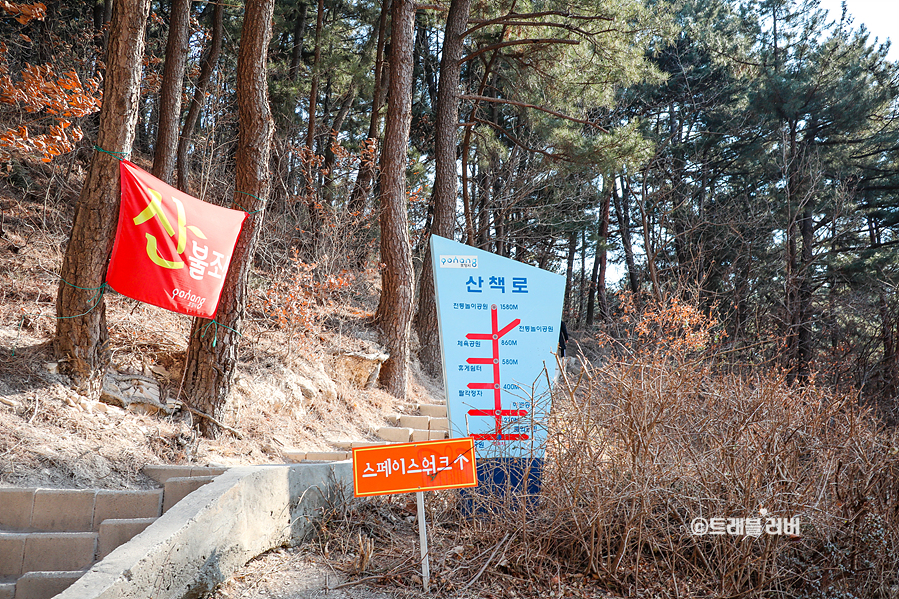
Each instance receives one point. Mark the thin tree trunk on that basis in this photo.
(804, 338)
(196, 104)
(81, 335)
(299, 29)
(569, 274)
(602, 253)
(446, 180)
(397, 276)
(212, 353)
(625, 231)
(170, 93)
(368, 168)
(581, 283)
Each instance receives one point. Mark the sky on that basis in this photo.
(881, 17)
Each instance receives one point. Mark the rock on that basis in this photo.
(52, 367)
(357, 368)
(127, 390)
(143, 408)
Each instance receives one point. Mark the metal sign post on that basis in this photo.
(415, 467)
(423, 539)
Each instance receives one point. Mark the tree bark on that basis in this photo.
(196, 104)
(598, 278)
(625, 230)
(445, 179)
(212, 353)
(397, 276)
(367, 169)
(569, 274)
(81, 333)
(170, 93)
(299, 29)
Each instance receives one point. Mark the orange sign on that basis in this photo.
(412, 467)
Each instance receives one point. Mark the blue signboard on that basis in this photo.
(499, 332)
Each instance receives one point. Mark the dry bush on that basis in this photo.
(638, 450)
(642, 445)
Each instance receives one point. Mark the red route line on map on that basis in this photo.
(498, 412)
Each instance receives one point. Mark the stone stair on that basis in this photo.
(50, 537)
(429, 424)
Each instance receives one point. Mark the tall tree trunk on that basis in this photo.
(311, 191)
(397, 276)
(804, 337)
(299, 28)
(170, 93)
(445, 179)
(212, 353)
(569, 274)
(367, 169)
(602, 253)
(196, 104)
(81, 334)
(648, 245)
(624, 230)
(581, 284)
(594, 277)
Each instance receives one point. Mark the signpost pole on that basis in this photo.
(423, 539)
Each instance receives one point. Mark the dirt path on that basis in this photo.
(294, 573)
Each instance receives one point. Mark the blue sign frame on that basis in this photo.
(499, 330)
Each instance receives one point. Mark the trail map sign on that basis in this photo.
(499, 328)
(413, 467)
(171, 250)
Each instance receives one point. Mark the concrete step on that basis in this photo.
(294, 456)
(415, 422)
(73, 510)
(394, 434)
(177, 488)
(115, 532)
(163, 472)
(63, 510)
(126, 505)
(326, 456)
(7, 590)
(17, 507)
(22, 552)
(439, 424)
(432, 410)
(44, 585)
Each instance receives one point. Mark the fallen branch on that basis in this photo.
(487, 563)
(214, 421)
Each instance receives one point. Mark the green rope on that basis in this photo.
(116, 155)
(256, 198)
(215, 338)
(94, 299)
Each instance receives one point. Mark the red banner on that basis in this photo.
(171, 250)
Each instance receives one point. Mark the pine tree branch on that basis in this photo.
(535, 107)
(499, 45)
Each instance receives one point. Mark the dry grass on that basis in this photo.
(288, 392)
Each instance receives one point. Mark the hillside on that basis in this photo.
(294, 391)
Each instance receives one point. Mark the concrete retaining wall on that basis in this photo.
(213, 531)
